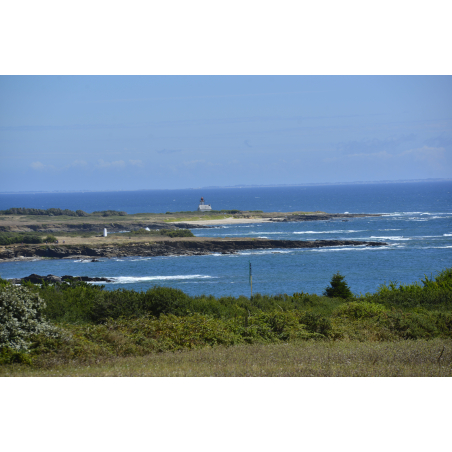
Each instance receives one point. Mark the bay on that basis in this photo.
(417, 226)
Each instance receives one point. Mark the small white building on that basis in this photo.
(203, 207)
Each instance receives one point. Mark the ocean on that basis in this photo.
(416, 225)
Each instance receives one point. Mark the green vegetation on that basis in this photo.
(109, 213)
(165, 232)
(98, 324)
(10, 238)
(59, 212)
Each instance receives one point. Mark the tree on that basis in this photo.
(339, 288)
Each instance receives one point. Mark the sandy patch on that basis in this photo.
(230, 220)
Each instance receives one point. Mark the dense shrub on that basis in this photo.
(20, 317)
(177, 233)
(433, 292)
(359, 310)
(9, 238)
(109, 213)
(165, 232)
(51, 212)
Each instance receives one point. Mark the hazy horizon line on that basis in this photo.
(397, 181)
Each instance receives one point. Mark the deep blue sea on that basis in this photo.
(417, 225)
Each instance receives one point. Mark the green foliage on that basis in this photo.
(101, 323)
(11, 356)
(165, 232)
(359, 310)
(20, 317)
(58, 212)
(338, 288)
(433, 292)
(50, 212)
(109, 213)
(9, 238)
(177, 233)
(49, 238)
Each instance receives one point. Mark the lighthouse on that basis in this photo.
(203, 207)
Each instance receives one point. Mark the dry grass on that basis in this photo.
(419, 358)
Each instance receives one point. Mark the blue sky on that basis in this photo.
(151, 132)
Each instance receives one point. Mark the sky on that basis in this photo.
(168, 132)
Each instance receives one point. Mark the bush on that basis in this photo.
(21, 317)
(339, 288)
(50, 238)
(177, 233)
(359, 310)
(8, 238)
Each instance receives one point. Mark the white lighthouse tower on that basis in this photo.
(203, 207)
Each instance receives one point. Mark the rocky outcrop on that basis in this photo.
(167, 248)
(52, 279)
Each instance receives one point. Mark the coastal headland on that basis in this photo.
(170, 220)
(81, 237)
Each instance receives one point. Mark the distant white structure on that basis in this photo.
(203, 207)
(105, 232)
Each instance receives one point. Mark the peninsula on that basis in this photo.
(148, 234)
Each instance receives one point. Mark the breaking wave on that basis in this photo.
(136, 279)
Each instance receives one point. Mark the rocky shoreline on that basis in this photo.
(164, 248)
(52, 279)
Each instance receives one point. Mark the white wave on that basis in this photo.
(390, 238)
(432, 247)
(260, 232)
(393, 214)
(136, 279)
(355, 248)
(345, 231)
(271, 251)
(389, 229)
(447, 235)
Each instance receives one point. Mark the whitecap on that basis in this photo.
(345, 248)
(137, 279)
(345, 231)
(390, 238)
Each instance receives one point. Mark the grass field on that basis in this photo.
(419, 358)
